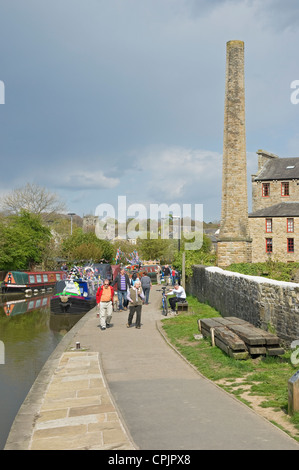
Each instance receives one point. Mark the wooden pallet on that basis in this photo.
(239, 338)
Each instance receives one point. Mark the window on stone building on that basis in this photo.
(269, 245)
(269, 225)
(285, 189)
(290, 225)
(266, 189)
(291, 245)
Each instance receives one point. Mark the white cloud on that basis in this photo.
(86, 180)
(178, 174)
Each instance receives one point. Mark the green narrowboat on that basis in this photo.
(21, 281)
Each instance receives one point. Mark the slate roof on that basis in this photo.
(279, 169)
(284, 209)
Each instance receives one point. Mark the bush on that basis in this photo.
(270, 269)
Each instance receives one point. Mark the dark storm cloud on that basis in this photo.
(105, 98)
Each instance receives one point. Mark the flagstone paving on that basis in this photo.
(77, 411)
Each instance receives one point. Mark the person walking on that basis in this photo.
(173, 276)
(146, 286)
(135, 277)
(166, 271)
(104, 298)
(123, 284)
(135, 298)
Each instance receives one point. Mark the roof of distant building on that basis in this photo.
(279, 169)
(284, 209)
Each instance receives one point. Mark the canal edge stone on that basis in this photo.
(23, 426)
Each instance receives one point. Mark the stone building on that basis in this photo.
(234, 244)
(89, 223)
(271, 230)
(274, 220)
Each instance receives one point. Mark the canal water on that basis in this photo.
(29, 333)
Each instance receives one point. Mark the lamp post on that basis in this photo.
(179, 230)
(183, 279)
(71, 214)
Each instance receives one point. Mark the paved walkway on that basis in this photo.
(128, 389)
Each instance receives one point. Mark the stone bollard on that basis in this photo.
(293, 390)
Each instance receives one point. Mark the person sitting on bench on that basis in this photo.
(180, 294)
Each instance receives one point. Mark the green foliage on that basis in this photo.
(203, 256)
(160, 249)
(23, 241)
(270, 269)
(295, 419)
(82, 246)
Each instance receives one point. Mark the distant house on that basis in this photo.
(274, 220)
(213, 234)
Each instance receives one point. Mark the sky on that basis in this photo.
(110, 98)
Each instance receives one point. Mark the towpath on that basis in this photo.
(129, 389)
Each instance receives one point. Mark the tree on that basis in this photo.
(160, 249)
(82, 246)
(31, 198)
(23, 241)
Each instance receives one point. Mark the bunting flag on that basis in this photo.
(118, 255)
(79, 272)
(132, 259)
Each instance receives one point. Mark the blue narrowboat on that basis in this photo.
(74, 296)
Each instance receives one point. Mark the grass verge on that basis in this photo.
(265, 378)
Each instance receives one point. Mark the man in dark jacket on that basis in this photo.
(167, 273)
(123, 284)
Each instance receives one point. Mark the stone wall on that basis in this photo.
(262, 302)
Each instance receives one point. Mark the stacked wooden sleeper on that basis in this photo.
(239, 338)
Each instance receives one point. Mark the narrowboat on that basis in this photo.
(149, 269)
(23, 281)
(74, 296)
(17, 307)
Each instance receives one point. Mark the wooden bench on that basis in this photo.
(182, 307)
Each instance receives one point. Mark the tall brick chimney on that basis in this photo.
(234, 245)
